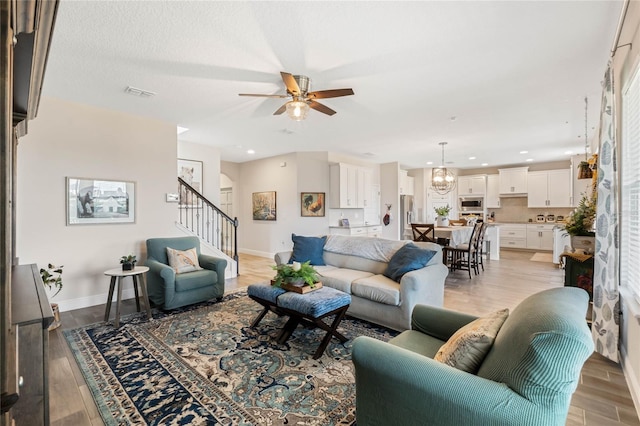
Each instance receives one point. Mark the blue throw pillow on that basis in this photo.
(409, 258)
(308, 249)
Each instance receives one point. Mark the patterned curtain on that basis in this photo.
(606, 308)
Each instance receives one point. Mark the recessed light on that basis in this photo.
(568, 152)
(524, 152)
(250, 151)
(472, 158)
(529, 160)
(484, 164)
(429, 162)
(181, 130)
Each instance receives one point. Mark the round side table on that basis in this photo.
(117, 274)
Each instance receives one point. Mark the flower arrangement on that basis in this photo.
(443, 211)
(296, 272)
(581, 221)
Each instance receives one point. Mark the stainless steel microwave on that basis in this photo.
(471, 204)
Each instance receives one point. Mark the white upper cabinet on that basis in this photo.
(406, 183)
(492, 199)
(350, 186)
(471, 185)
(513, 181)
(549, 188)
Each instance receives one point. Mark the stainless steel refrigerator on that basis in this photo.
(407, 216)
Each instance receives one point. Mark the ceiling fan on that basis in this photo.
(301, 98)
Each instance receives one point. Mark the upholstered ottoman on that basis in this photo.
(312, 307)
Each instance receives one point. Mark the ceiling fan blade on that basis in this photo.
(280, 110)
(263, 96)
(319, 107)
(291, 83)
(334, 93)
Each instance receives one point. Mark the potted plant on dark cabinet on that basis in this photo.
(52, 278)
(128, 262)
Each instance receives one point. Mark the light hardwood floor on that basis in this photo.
(602, 397)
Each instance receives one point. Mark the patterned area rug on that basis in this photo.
(204, 365)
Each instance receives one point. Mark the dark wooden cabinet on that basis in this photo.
(31, 317)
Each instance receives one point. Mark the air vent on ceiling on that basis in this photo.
(138, 92)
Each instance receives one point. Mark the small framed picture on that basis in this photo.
(344, 222)
(312, 204)
(263, 205)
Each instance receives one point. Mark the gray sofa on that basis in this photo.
(355, 265)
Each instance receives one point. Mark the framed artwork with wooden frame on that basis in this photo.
(312, 204)
(263, 205)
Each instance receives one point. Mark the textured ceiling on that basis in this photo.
(513, 73)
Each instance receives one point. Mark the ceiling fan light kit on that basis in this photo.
(442, 180)
(301, 98)
(297, 110)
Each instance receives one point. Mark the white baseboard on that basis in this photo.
(257, 253)
(631, 377)
(96, 299)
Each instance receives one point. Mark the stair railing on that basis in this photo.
(207, 221)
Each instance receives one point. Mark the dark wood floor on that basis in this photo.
(602, 397)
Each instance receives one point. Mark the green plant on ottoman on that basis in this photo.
(52, 278)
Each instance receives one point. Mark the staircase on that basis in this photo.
(200, 217)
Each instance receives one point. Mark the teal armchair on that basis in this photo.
(527, 378)
(169, 290)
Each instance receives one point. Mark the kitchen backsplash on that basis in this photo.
(515, 210)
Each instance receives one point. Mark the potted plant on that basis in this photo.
(296, 274)
(128, 262)
(443, 215)
(52, 278)
(580, 224)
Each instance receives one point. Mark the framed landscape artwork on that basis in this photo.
(312, 204)
(190, 171)
(263, 205)
(95, 201)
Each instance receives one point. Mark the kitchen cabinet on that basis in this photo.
(540, 236)
(549, 188)
(471, 185)
(513, 235)
(406, 183)
(513, 181)
(492, 199)
(350, 186)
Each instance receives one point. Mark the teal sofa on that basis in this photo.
(526, 378)
(169, 290)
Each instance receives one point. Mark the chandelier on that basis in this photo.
(584, 168)
(442, 180)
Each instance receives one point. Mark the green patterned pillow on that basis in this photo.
(183, 261)
(466, 349)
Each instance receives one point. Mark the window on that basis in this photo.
(630, 188)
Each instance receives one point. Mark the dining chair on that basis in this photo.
(480, 250)
(463, 256)
(421, 232)
(457, 222)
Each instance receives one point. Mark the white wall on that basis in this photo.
(75, 140)
(303, 172)
(625, 62)
(390, 194)
(210, 158)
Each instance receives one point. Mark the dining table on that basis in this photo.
(455, 234)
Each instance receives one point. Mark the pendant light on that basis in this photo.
(442, 180)
(584, 168)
